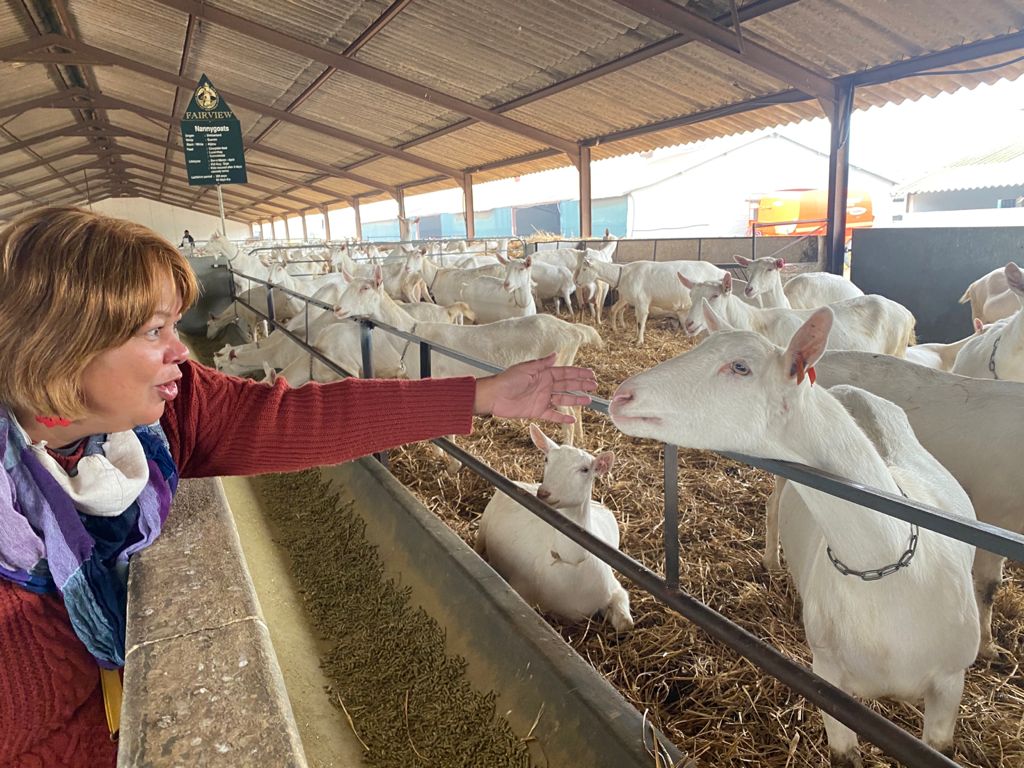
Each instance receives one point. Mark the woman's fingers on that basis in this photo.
(568, 398)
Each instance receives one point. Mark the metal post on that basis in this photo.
(271, 325)
(838, 176)
(327, 224)
(305, 229)
(403, 222)
(467, 205)
(424, 360)
(366, 347)
(586, 203)
(223, 223)
(671, 533)
(359, 220)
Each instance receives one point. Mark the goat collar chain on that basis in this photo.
(992, 357)
(401, 360)
(874, 574)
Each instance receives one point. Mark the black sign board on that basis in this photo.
(212, 137)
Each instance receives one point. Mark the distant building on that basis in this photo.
(707, 189)
(982, 189)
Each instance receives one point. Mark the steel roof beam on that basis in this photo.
(364, 37)
(732, 44)
(186, 49)
(100, 56)
(60, 133)
(747, 12)
(367, 72)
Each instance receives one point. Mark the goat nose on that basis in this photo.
(749, 291)
(543, 493)
(622, 396)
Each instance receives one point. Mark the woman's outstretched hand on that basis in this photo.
(531, 390)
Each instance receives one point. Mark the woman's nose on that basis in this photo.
(177, 352)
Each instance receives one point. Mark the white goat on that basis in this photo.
(646, 284)
(446, 283)
(502, 343)
(998, 352)
(940, 356)
(545, 567)
(553, 283)
(868, 323)
(963, 423)
(494, 298)
(808, 290)
(909, 635)
(990, 297)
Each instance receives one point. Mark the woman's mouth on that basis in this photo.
(168, 391)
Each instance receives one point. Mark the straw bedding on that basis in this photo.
(713, 704)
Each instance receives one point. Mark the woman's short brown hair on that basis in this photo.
(74, 284)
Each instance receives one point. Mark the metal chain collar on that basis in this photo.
(992, 358)
(874, 574)
(401, 360)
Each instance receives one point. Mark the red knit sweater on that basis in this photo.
(51, 706)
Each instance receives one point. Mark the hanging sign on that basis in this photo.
(212, 138)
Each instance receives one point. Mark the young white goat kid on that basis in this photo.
(908, 635)
(998, 352)
(547, 568)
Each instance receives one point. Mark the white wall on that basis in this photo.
(168, 220)
(711, 200)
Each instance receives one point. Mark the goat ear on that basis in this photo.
(979, 325)
(808, 344)
(378, 276)
(727, 282)
(603, 463)
(1014, 277)
(346, 274)
(741, 260)
(542, 441)
(685, 280)
(780, 263)
(714, 321)
(501, 259)
(528, 262)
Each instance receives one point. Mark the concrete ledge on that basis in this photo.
(580, 718)
(202, 686)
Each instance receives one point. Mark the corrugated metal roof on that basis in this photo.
(590, 71)
(999, 167)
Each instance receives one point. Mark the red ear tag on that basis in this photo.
(53, 421)
(811, 375)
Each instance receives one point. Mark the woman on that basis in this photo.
(101, 412)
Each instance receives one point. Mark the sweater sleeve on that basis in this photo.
(224, 425)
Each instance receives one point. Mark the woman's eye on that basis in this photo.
(154, 333)
(740, 368)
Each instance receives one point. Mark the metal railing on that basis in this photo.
(872, 726)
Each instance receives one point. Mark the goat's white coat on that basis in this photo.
(963, 423)
(545, 567)
(867, 323)
(990, 297)
(908, 636)
(998, 352)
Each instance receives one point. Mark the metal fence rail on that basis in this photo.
(870, 725)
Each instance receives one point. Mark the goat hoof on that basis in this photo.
(772, 564)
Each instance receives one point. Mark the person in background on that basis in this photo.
(187, 239)
(102, 413)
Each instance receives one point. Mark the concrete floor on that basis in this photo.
(326, 735)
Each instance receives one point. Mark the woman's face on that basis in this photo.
(129, 385)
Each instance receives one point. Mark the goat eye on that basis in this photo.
(585, 470)
(740, 368)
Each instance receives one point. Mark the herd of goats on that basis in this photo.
(807, 370)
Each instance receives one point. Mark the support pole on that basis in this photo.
(359, 220)
(223, 223)
(586, 213)
(403, 222)
(327, 224)
(305, 227)
(838, 176)
(467, 205)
